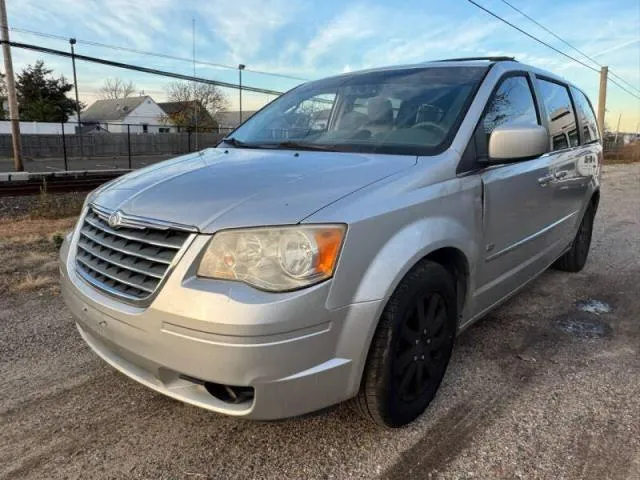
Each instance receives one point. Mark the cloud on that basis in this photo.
(617, 47)
(121, 21)
(438, 41)
(363, 35)
(356, 23)
(245, 26)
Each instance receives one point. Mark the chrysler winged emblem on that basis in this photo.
(115, 219)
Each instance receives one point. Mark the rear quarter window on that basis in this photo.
(586, 117)
(561, 119)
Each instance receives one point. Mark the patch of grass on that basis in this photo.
(30, 283)
(55, 206)
(28, 254)
(34, 258)
(57, 239)
(29, 230)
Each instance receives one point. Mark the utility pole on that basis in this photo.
(615, 140)
(602, 99)
(11, 89)
(240, 68)
(194, 113)
(72, 42)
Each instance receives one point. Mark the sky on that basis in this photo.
(314, 39)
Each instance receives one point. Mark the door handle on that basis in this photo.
(543, 181)
(561, 174)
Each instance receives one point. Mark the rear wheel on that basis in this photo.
(411, 348)
(576, 257)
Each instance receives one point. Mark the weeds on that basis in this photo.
(55, 206)
(28, 254)
(57, 239)
(30, 282)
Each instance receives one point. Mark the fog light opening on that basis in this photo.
(229, 393)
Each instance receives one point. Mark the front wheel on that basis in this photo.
(411, 348)
(576, 257)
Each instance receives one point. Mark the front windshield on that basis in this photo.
(406, 111)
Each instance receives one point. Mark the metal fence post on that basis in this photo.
(189, 141)
(64, 147)
(129, 143)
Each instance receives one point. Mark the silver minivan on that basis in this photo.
(333, 246)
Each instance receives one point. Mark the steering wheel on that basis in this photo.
(431, 126)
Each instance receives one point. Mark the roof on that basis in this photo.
(232, 118)
(175, 107)
(186, 108)
(111, 109)
(505, 63)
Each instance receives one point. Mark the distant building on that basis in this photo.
(142, 114)
(231, 119)
(187, 115)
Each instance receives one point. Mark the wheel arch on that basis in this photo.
(456, 263)
(595, 199)
(443, 240)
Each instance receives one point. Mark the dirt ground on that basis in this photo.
(547, 386)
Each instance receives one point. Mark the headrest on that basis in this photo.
(380, 110)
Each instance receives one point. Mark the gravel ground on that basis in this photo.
(540, 388)
(23, 205)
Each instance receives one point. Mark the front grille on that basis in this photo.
(126, 262)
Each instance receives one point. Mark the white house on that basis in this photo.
(142, 114)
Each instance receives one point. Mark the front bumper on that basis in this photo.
(297, 355)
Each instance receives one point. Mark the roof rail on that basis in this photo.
(469, 59)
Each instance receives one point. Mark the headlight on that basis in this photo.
(274, 259)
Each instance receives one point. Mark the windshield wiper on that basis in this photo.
(239, 144)
(289, 144)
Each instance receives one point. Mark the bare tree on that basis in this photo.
(196, 106)
(117, 88)
(209, 96)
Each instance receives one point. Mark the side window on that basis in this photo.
(563, 130)
(511, 103)
(586, 116)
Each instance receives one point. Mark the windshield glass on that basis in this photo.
(406, 111)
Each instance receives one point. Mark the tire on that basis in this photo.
(411, 348)
(576, 257)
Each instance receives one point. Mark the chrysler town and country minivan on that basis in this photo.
(333, 246)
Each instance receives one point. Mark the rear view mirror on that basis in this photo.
(517, 142)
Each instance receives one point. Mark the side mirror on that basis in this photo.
(517, 142)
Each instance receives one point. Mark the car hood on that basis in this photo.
(225, 188)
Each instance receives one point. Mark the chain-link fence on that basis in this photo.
(74, 146)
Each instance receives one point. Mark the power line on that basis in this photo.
(128, 66)
(153, 54)
(549, 46)
(568, 44)
(532, 36)
(622, 88)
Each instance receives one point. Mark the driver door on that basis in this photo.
(517, 201)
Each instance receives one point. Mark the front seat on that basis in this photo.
(380, 113)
